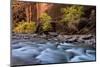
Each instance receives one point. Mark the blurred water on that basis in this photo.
(25, 53)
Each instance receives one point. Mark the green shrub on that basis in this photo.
(71, 16)
(25, 27)
(71, 13)
(45, 19)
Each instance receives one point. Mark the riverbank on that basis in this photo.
(33, 49)
(88, 40)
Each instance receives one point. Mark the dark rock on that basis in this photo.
(71, 40)
(87, 37)
(53, 34)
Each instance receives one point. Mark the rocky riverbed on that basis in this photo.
(33, 49)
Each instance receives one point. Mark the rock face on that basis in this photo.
(26, 52)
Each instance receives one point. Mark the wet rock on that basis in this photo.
(91, 42)
(25, 55)
(52, 56)
(61, 38)
(82, 58)
(25, 52)
(67, 36)
(18, 45)
(47, 45)
(39, 40)
(27, 61)
(71, 40)
(34, 35)
(76, 51)
(87, 37)
(65, 46)
(43, 36)
(93, 52)
(80, 40)
(54, 34)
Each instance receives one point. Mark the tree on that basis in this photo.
(71, 16)
(45, 21)
(25, 27)
(72, 13)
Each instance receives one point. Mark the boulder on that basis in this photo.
(91, 52)
(18, 61)
(83, 58)
(65, 46)
(87, 37)
(47, 45)
(24, 55)
(18, 45)
(53, 34)
(49, 56)
(76, 51)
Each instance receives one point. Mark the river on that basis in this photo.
(33, 53)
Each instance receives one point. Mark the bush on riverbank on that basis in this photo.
(45, 19)
(25, 27)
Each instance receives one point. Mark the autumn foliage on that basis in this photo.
(29, 17)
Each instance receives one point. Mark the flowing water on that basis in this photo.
(28, 52)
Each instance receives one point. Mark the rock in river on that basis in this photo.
(83, 58)
(52, 56)
(25, 55)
